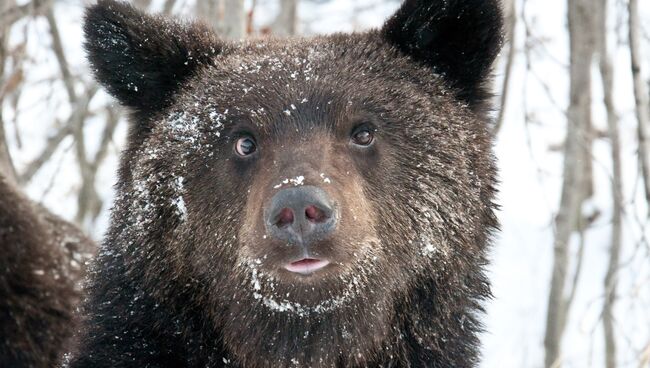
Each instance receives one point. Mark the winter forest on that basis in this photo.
(570, 268)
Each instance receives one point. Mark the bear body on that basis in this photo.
(322, 202)
(42, 263)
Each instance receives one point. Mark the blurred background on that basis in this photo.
(571, 267)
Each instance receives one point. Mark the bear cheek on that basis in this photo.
(254, 243)
(356, 236)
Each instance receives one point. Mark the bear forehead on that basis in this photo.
(330, 62)
(271, 79)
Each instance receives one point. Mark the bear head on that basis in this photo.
(316, 200)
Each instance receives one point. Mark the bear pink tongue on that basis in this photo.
(306, 265)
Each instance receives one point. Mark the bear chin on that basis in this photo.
(310, 333)
(308, 321)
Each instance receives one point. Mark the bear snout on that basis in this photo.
(301, 216)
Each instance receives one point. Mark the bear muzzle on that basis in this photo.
(301, 216)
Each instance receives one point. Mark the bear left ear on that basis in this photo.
(142, 59)
(457, 38)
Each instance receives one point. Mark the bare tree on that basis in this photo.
(607, 76)
(6, 165)
(142, 4)
(13, 12)
(88, 197)
(227, 17)
(234, 19)
(640, 95)
(576, 185)
(79, 93)
(511, 24)
(286, 23)
(210, 11)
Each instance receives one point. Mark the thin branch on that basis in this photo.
(12, 82)
(57, 47)
(107, 138)
(80, 112)
(644, 360)
(7, 169)
(15, 13)
(87, 194)
(93, 202)
(576, 276)
(51, 146)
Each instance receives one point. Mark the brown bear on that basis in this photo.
(305, 202)
(42, 263)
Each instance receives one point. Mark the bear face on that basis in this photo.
(316, 202)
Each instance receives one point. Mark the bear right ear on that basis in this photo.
(457, 38)
(142, 59)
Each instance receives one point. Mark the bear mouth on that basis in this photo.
(306, 266)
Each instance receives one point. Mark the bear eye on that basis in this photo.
(363, 136)
(245, 146)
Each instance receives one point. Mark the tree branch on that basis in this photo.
(57, 47)
(80, 112)
(11, 15)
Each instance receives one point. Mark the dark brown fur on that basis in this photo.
(188, 275)
(42, 263)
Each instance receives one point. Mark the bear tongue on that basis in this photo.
(306, 265)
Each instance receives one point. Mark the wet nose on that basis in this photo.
(301, 215)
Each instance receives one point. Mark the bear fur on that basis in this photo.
(42, 264)
(188, 276)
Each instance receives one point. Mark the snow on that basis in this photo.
(326, 180)
(280, 304)
(178, 199)
(297, 181)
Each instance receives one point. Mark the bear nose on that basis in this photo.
(301, 215)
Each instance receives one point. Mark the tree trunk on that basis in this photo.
(575, 187)
(6, 165)
(511, 19)
(210, 11)
(607, 75)
(234, 19)
(227, 17)
(286, 23)
(640, 96)
(142, 4)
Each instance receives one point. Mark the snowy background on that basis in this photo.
(530, 169)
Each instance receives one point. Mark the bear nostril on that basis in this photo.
(284, 218)
(315, 214)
